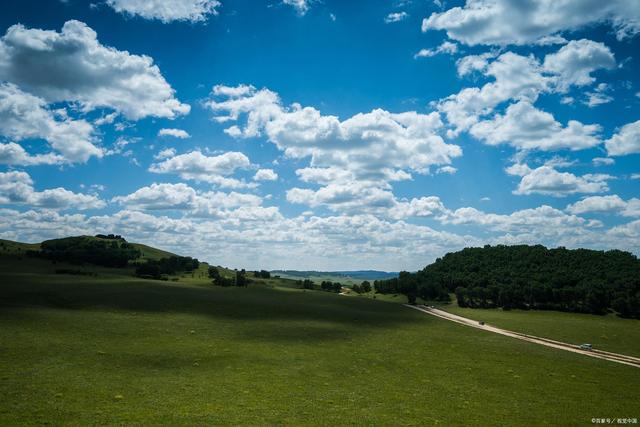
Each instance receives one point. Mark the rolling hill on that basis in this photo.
(111, 348)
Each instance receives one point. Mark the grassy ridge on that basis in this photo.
(115, 349)
(148, 252)
(17, 248)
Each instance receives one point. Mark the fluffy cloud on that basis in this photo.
(363, 198)
(445, 47)
(160, 196)
(602, 161)
(503, 22)
(362, 239)
(301, 6)
(199, 167)
(574, 63)
(598, 97)
(524, 78)
(73, 66)
(370, 146)
(474, 63)
(167, 10)
(14, 155)
(347, 196)
(515, 77)
(25, 116)
(265, 175)
(549, 181)
(525, 127)
(606, 204)
(353, 160)
(541, 220)
(176, 133)
(17, 188)
(196, 203)
(262, 240)
(396, 17)
(626, 141)
(260, 237)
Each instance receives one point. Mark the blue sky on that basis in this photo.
(321, 134)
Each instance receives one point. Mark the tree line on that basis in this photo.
(83, 250)
(160, 268)
(528, 277)
(238, 279)
(325, 285)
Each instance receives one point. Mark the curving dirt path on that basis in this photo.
(612, 357)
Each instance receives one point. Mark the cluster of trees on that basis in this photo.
(158, 269)
(331, 286)
(110, 237)
(326, 285)
(306, 284)
(413, 285)
(262, 274)
(362, 288)
(239, 279)
(534, 277)
(81, 250)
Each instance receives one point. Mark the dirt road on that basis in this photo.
(613, 357)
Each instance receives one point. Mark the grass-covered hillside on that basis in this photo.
(111, 348)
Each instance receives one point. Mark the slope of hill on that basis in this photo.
(115, 349)
(17, 248)
(146, 252)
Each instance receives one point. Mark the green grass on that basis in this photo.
(147, 252)
(610, 333)
(16, 248)
(114, 349)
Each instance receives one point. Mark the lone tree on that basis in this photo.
(241, 278)
(214, 273)
(366, 286)
(306, 284)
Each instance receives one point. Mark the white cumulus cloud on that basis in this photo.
(16, 188)
(504, 22)
(25, 116)
(168, 10)
(72, 65)
(199, 167)
(625, 141)
(176, 133)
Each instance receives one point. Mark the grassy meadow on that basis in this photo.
(114, 349)
(609, 333)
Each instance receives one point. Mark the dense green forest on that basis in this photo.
(528, 277)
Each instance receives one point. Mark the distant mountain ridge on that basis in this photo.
(354, 274)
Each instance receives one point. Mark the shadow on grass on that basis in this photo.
(278, 315)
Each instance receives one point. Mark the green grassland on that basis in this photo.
(147, 252)
(115, 349)
(16, 248)
(610, 332)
